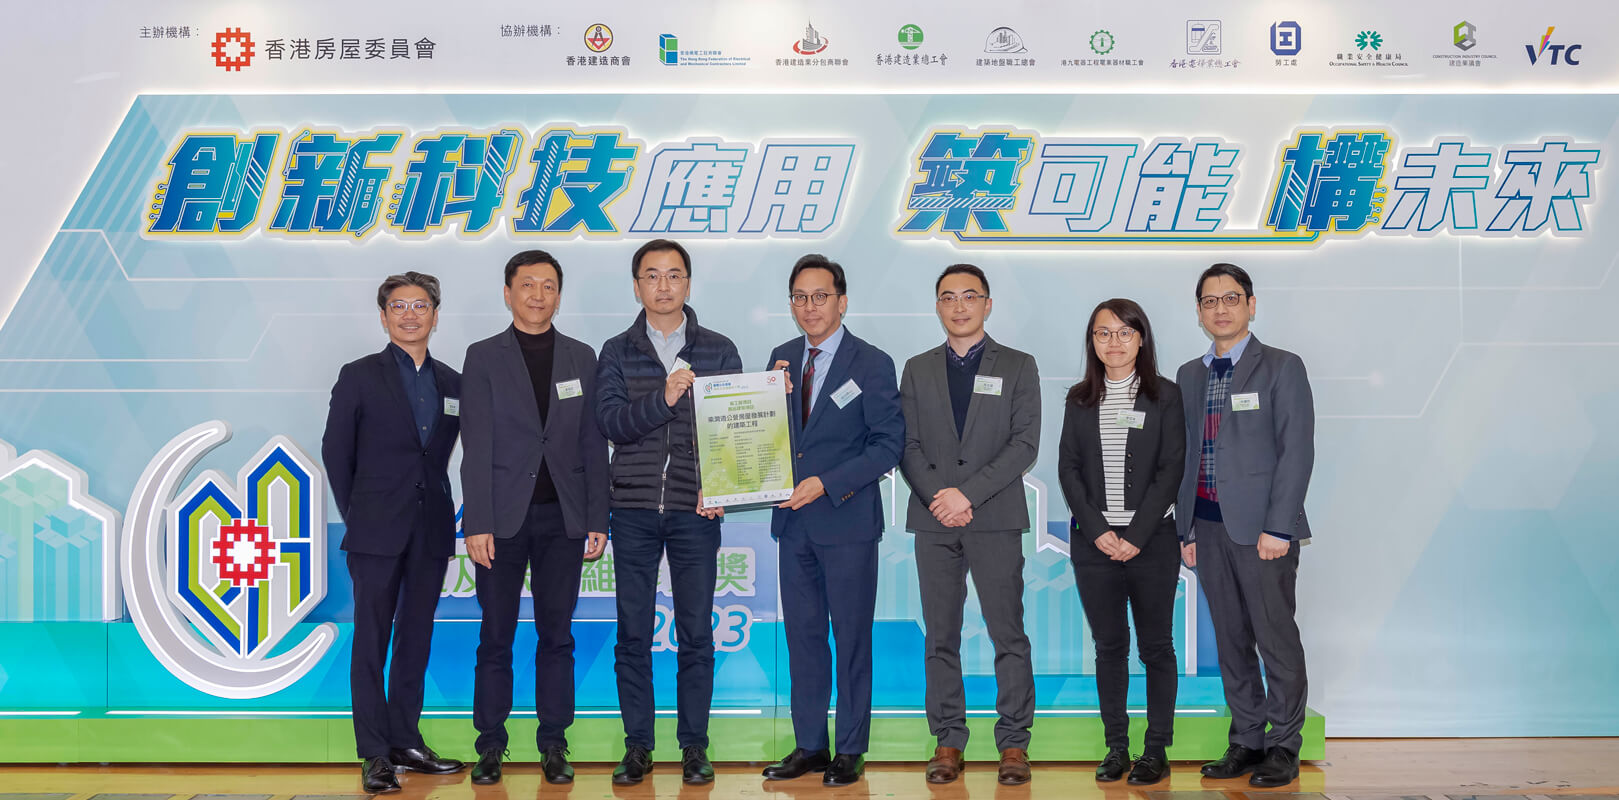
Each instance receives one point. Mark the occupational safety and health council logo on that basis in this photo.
(233, 49)
(216, 576)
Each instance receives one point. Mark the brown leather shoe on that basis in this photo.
(946, 765)
(1014, 766)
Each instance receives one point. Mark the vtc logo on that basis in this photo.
(217, 576)
(1567, 51)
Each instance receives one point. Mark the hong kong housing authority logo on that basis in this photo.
(233, 49)
(218, 575)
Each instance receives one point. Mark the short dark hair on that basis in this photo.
(528, 257)
(1088, 392)
(962, 269)
(420, 280)
(654, 246)
(818, 261)
(1231, 271)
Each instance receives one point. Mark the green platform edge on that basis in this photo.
(94, 737)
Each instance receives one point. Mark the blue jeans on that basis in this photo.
(641, 538)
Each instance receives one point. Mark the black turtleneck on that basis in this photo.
(539, 351)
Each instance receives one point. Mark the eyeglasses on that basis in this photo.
(1229, 299)
(1102, 335)
(675, 279)
(819, 299)
(398, 307)
(968, 299)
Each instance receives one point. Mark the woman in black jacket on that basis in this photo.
(1121, 457)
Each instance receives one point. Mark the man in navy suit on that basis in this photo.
(534, 475)
(847, 432)
(393, 421)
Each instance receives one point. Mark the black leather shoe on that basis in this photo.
(844, 770)
(1114, 766)
(554, 763)
(1149, 769)
(633, 769)
(424, 760)
(487, 770)
(797, 764)
(377, 776)
(694, 767)
(1280, 768)
(1236, 762)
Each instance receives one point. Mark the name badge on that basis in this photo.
(1131, 419)
(845, 393)
(987, 384)
(452, 406)
(680, 364)
(567, 389)
(1245, 402)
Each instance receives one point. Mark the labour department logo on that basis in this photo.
(218, 575)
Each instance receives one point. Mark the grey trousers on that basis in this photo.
(1251, 603)
(995, 560)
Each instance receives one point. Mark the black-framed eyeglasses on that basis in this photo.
(399, 307)
(1229, 299)
(654, 278)
(1102, 335)
(819, 298)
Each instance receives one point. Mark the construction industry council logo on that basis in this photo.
(215, 577)
(233, 49)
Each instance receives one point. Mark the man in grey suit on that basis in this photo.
(1250, 446)
(972, 427)
(534, 478)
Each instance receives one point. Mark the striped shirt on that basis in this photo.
(1118, 396)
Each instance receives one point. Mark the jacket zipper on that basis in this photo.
(663, 480)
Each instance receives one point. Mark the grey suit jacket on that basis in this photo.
(1262, 457)
(504, 446)
(997, 445)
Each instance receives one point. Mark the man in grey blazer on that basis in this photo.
(972, 428)
(534, 479)
(1250, 446)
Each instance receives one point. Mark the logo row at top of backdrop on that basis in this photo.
(1201, 44)
(992, 185)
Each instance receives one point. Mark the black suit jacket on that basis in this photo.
(1154, 456)
(504, 446)
(385, 482)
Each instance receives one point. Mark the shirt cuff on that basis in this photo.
(1283, 536)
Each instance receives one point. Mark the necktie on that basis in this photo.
(809, 384)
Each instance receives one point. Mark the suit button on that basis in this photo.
(424, 453)
(1128, 484)
(800, 455)
(930, 466)
(1129, 469)
(961, 463)
(1128, 456)
(418, 484)
(533, 475)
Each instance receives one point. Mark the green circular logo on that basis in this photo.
(1101, 43)
(910, 37)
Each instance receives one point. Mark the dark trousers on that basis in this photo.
(556, 561)
(829, 589)
(995, 560)
(641, 538)
(1251, 603)
(394, 598)
(1146, 584)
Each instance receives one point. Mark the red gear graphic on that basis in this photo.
(234, 63)
(236, 572)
